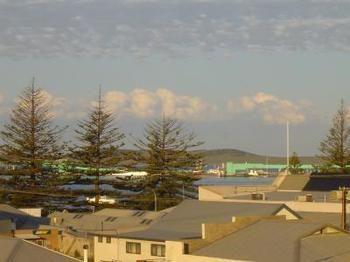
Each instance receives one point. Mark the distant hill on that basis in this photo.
(218, 156)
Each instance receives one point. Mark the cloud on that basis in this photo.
(272, 109)
(59, 106)
(141, 103)
(137, 27)
(2, 109)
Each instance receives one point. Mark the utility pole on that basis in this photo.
(344, 193)
(287, 147)
(183, 190)
(155, 200)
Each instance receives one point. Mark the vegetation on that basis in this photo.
(335, 148)
(295, 164)
(167, 156)
(30, 138)
(99, 141)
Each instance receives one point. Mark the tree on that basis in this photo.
(167, 152)
(30, 138)
(335, 148)
(99, 141)
(295, 164)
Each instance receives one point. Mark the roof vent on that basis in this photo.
(258, 196)
(305, 198)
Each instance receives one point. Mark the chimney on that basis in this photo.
(86, 248)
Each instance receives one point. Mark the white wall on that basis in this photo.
(116, 250)
(35, 212)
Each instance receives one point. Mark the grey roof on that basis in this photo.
(324, 218)
(22, 219)
(315, 182)
(105, 222)
(114, 212)
(16, 250)
(5, 226)
(265, 240)
(185, 220)
(294, 182)
(327, 247)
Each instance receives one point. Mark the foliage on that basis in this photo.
(335, 147)
(295, 164)
(99, 141)
(166, 153)
(30, 136)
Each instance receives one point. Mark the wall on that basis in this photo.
(206, 194)
(297, 206)
(35, 212)
(226, 191)
(72, 245)
(116, 250)
(175, 254)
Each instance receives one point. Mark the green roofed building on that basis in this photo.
(244, 168)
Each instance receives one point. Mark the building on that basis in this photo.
(19, 250)
(279, 240)
(244, 168)
(183, 223)
(17, 223)
(79, 229)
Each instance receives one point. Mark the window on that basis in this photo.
(108, 240)
(158, 250)
(133, 248)
(186, 248)
(100, 239)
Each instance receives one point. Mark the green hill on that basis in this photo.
(218, 156)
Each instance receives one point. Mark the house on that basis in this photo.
(19, 250)
(183, 223)
(270, 240)
(19, 224)
(79, 229)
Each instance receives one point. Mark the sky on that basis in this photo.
(234, 71)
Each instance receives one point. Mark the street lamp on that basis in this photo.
(155, 200)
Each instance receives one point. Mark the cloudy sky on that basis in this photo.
(234, 70)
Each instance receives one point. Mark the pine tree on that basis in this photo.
(167, 152)
(30, 138)
(335, 148)
(99, 141)
(295, 164)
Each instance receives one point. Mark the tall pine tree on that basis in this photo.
(167, 152)
(30, 138)
(335, 148)
(99, 141)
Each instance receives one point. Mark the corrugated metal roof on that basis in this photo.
(16, 250)
(186, 219)
(265, 240)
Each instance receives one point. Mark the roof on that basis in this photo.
(294, 182)
(317, 196)
(16, 250)
(22, 219)
(265, 240)
(315, 182)
(330, 247)
(185, 220)
(127, 213)
(105, 222)
(5, 226)
(322, 218)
